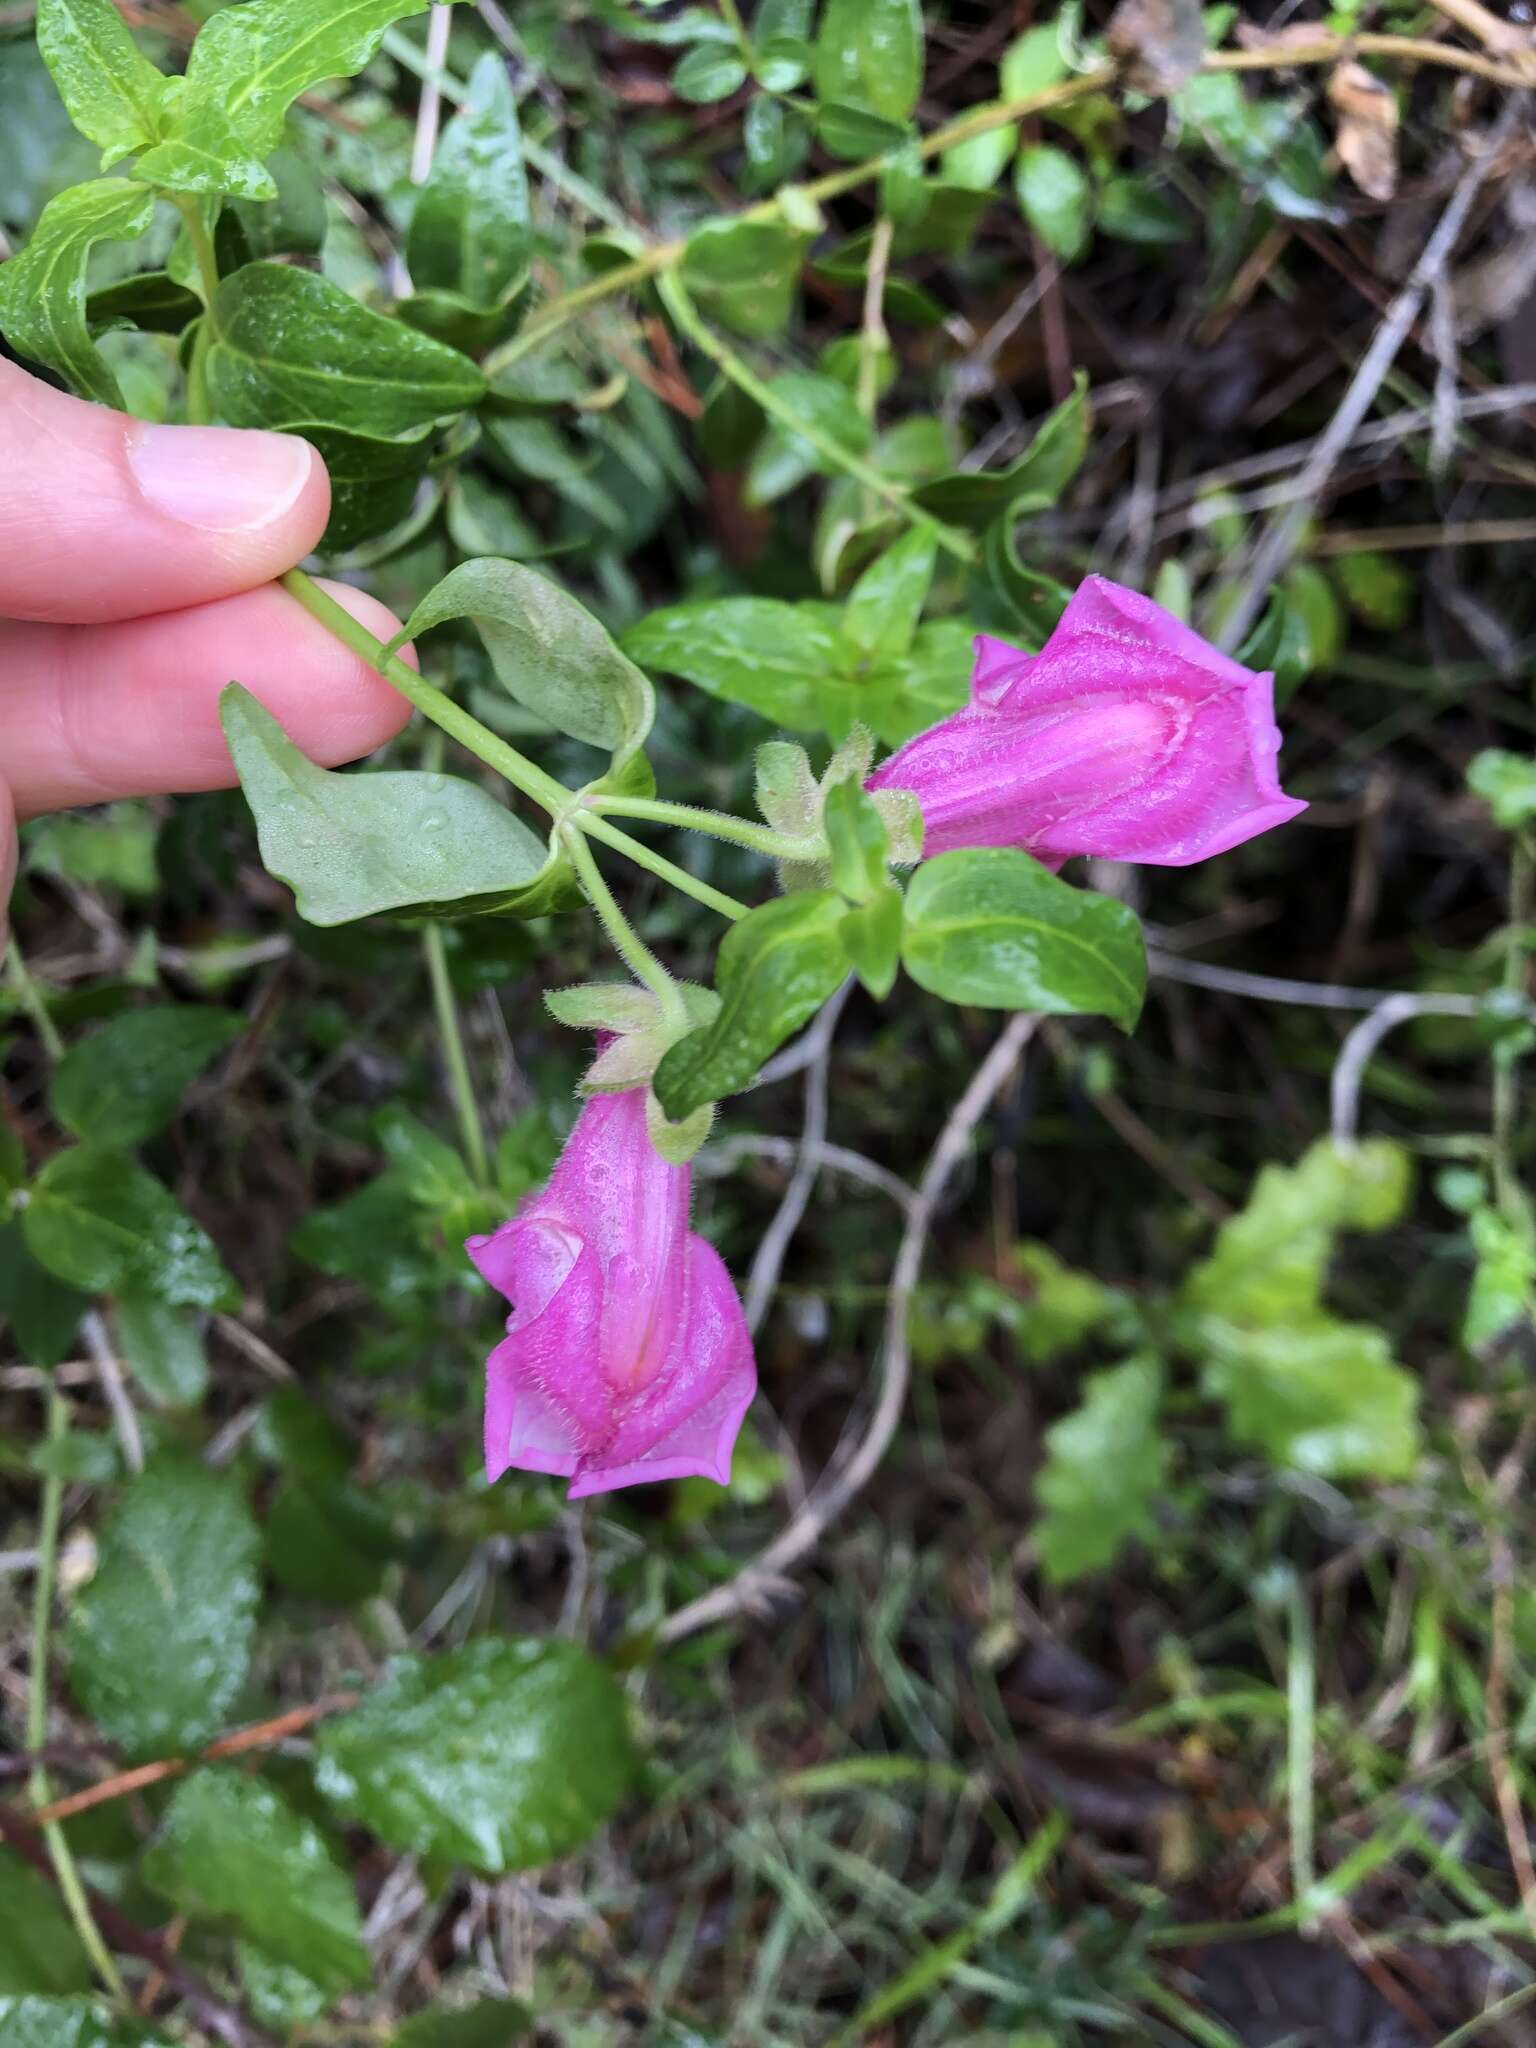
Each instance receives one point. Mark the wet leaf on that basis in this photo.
(504, 1755)
(743, 273)
(112, 92)
(162, 1348)
(756, 651)
(97, 1220)
(39, 1948)
(991, 926)
(125, 1082)
(350, 846)
(869, 54)
(42, 291)
(159, 1641)
(1105, 1471)
(1055, 197)
(471, 231)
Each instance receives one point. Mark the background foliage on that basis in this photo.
(1171, 1681)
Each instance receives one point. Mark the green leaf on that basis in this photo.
(253, 62)
(232, 1850)
(493, 2023)
(39, 1948)
(1036, 602)
(784, 459)
(1033, 61)
(97, 1220)
(1063, 1308)
(1379, 589)
(775, 970)
(293, 347)
(856, 840)
(886, 603)
(203, 154)
(42, 291)
(504, 1755)
(112, 92)
(292, 224)
(709, 72)
(975, 498)
(152, 301)
(350, 846)
(159, 1641)
(979, 161)
(1323, 1397)
(1268, 1262)
(471, 231)
(869, 54)
(854, 133)
(1054, 197)
(373, 483)
(162, 1348)
(743, 273)
(328, 1541)
(125, 1082)
(754, 652)
(1503, 1294)
(905, 695)
(1309, 1390)
(42, 1311)
(1138, 210)
(1507, 785)
(991, 926)
(1105, 1470)
(871, 935)
(69, 2023)
(548, 652)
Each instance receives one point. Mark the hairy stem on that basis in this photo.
(622, 936)
(657, 864)
(59, 1852)
(199, 411)
(715, 824)
(452, 1039)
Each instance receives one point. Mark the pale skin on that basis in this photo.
(136, 568)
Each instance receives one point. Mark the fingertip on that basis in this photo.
(370, 613)
(359, 711)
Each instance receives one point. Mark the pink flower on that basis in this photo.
(1127, 736)
(627, 1355)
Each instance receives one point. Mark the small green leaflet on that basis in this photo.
(504, 1755)
(757, 651)
(292, 348)
(471, 233)
(776, 969)
(991, 926)
(974, 498)
(39, 1948)
(232, 1850)
(203, 154)
(743, 273)
(1106, 1468)
(42, 291)
(253, 62)
(99, 1222)
(352, 845)
(43, 1312)
(120, 1085)
(1055, 197)
(869, 54)
(159, 1641)
(163, 1349)
(548, 652)
(112, 92)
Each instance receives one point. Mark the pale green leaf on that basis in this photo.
(42, 291)
(97, 1220)
(113, 94)
(1105, 1470)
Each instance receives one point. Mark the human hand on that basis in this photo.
(136, 567)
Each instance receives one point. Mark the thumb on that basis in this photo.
(104, 517)
(7, 863)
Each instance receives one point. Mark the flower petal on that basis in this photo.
(543, 1413)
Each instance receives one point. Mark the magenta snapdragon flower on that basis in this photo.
(1127, 737)
(627, 1356)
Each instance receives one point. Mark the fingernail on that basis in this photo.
(217, 478)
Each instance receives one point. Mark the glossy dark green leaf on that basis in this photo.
(743, 273)
(292, 224)
(252, 62)
(152, 301)
(776, 141)
(504, 1755)
(730, 425)
(471, 231)
(159, 1641)
(1035, 601)
(202, 154)
(113, 94)
(783, 458)
(455, 321)
(975, 498)
(709, 72)
(756, 651)
(124, 1082)
(1055, 197)
(1138, 210)
(42, 291)
(854, 133)
(869, 53)
(989, 925)
(352, 845)
(233, 1851)
(293, 347)
(43, 1311)
(38, 2022)
(163, 1349)
(547, 650)
(39, 1948)
(98, 1221)
(886, 603)
(373, 483)
(775, 970)
(1105, 1472)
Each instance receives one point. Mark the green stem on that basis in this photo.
(625, 940)
(59, 1852)
(30, 997)
(452, 1038)
(685, 316)
(199, 411)
(489, 747)
(730, 13)
(717, 824)
(657, 864)
(1506, 1070)
(433, 703)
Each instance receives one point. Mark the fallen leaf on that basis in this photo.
(1158, 42)
(1367, 131)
